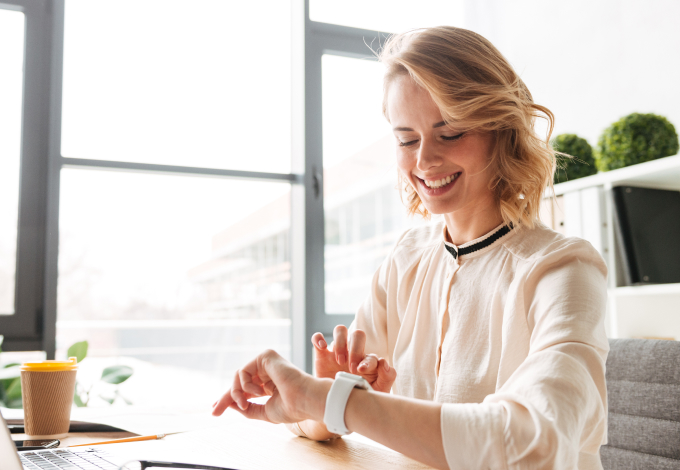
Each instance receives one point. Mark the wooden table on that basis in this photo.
(253, 445)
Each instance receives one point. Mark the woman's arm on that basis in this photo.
(409, 426)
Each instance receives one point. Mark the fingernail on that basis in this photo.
(341, 359)
(363, 365)
(322, 344)
(386, 366)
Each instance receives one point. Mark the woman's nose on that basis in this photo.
(428, 157)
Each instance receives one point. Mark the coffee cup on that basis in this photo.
(47, 390)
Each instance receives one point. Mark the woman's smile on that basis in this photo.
(438, 186)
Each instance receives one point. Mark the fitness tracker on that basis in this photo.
(336, 401)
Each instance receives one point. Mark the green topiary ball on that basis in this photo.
(636, 138)
(583, 163)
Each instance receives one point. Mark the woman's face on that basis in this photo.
(449, 169)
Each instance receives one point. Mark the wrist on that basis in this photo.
(314, 403)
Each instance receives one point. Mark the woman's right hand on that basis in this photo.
(346, 354)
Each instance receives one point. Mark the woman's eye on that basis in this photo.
(453, 137)
(407, 144)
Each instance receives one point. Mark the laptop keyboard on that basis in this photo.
(62, 459)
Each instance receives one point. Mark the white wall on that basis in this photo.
(590, 62)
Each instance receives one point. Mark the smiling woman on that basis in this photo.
(474, 89)
(486, 326)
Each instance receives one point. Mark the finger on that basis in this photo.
(357, 343)
(237, 392)
(369, 364)
(386, 375)
(254, 411)
(340, 344)
(250, 384)
(319, 341)
(222, 404)
(269, 388)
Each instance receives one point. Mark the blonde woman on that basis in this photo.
(486, 326)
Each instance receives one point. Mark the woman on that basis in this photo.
(487, 326)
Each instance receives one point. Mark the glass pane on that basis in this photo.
(11, 94)
(177, 277)
(393, 16)
(363, 211)
(203, 83)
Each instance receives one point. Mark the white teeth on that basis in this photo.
(442, 182)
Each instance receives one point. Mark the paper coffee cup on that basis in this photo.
(47, 390)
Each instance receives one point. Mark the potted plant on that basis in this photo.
(574, 157)
(636, 138)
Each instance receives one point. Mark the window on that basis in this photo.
(166, 266)
(189, 179)
(172, 83)
(184, 273)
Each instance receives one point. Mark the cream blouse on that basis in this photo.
(508, 332)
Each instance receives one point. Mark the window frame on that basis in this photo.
(30, 327)
(345, 41)
(33, 324)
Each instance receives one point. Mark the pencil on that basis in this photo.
(130, 439)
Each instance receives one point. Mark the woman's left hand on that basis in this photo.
(295, 395)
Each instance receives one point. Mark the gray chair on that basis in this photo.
(643, 385)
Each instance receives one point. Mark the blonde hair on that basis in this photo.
(475, 88)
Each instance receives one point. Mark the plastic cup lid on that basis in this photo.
(51, 366)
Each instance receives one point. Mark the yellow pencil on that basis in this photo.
(130, 439)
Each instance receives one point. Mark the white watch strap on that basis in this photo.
(336, 401)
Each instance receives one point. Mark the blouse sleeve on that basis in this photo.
(552, 410)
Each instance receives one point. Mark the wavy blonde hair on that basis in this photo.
(475, 88)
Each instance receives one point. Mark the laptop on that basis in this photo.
(80, 458)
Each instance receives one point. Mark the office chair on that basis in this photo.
(643, 387)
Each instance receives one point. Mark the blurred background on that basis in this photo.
(184, 277)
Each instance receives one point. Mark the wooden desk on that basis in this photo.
(253, 445)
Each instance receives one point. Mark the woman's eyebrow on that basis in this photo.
(434, 126)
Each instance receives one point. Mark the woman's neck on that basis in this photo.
(464, 226)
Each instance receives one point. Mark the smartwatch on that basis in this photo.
(336, 401)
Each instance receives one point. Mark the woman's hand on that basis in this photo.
(295, 395)
(346, 354)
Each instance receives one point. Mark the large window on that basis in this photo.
(185, 184)
(181, 271)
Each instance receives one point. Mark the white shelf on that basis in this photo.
(663, 173)
(585, 209)
(650, 289)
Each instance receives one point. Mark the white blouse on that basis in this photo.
(508, 332)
